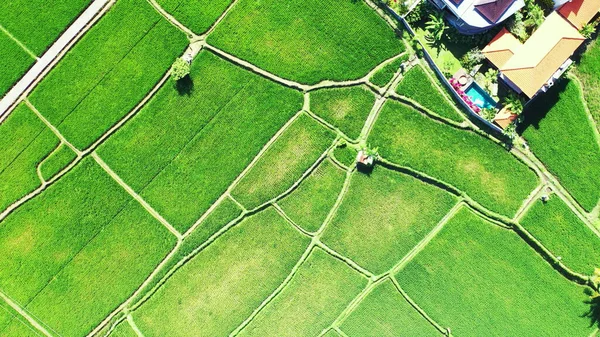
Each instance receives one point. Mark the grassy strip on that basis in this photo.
(477, 166)
(120, 258)
(560, 134)
(14, 62)
(385, 210)
(480, 279)
(213, 293)
(309, 205)
(557, 228)
(197, 15)
(127, 52)
(57, 161)
(386, 74)
(316, 295)
(308, 41)
(587, 71)
(417, 86)
(123, 330)
(57, 224)
(284, 162)
(36, 24)
(183, 151)
(345, 108)
(385, 313)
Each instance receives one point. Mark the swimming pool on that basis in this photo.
(479, 97)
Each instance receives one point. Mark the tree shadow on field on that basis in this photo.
(594, 311)
(185, 86)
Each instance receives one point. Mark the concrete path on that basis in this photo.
(54, 53)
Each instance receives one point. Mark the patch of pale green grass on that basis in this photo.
(483, 280)
(382, 217)
(217, 290)
(316, 295)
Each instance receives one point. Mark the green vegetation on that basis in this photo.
(318, 293)
(382, 218)
(181, 152)
(126, 52)
(427, 94)
(473, 164)
(331, 333)
(587, 71)
(57, 161)
(559, 230)
(309, 205)
(294, 152)
(385, 313)
(345, 155)
(25, 143)
(36, 24)
(14, 62)
(344, 108)
(569, 149)
(180, 69)
(386, 74)
(198, 15)
(308, 41)
(123, 330)
(225, 282)
(483, 280)
(58, 224)
(16, 328)
(119, 257)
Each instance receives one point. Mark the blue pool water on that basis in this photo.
(478, 96)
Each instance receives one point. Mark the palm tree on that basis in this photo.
(535, 17)
(436, 27)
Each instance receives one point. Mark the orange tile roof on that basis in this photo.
(580, 12)
(535, 61)
(502, 47)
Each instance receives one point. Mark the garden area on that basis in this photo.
(289, 169)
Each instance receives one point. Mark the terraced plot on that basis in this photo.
(480, 279)
(308, 41)
(477, 166)
(574, 155)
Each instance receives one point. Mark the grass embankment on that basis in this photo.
(417, 86)
(587, 71)
(294, 152)
(385, 313)
(483, 280)
(57, 161)
(345, 108)
(308, 41)
(484, 170)
(197, 15)
(24, 143)
(217, 290)
(559, 230)
(319, 291)
(78, 250)
(182, 151)
(108, 71)
(310, 203)
(562, 137)
(382, 218)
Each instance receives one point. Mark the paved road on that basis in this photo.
(51, 55)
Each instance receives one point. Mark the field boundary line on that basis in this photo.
(338, 202)
(124, 305)
(38, 168)
(53, 55)
(219, 20)
(172, 20)
(355, 302)
(25, 314)
(243, 173)
(277, 290)
(426, 240)
(52, 128)
(417, 307)
(136, 196)
(348, 261)
(331, 127)
(238, 204)
(586, 107)
(20, 319)
(292, 222)
(134, 326)
(465, 125)
(529, 202)
(339, 331)
(21, 44)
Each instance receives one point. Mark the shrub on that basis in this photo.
(472, 58)
(488, 114)
(588, 30)
(180, 69)
(514, 102)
